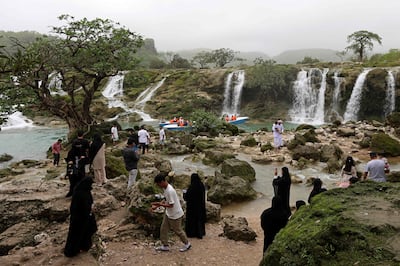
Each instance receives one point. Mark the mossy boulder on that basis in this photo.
(304, 127)
(227, 190)
(307, 152)
(215, 157)
(382, 142)
(5, 157)
(266, 147)
(250, 141)
(202, 144)
(236, 167)
(394, 119)
(330, 152)
(358, 225)
(115, 166)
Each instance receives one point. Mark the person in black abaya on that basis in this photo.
(82, 224)
(317, 188)
(272, 221)
(73, 174)
(281, 186)
(195, 208)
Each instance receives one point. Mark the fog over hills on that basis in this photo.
(286, 57)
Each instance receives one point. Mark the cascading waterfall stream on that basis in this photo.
(353, 106)
(320, 112)
(233, 92)
(336, 91)
(390, 93)
(114, 92)
(309, 103)
(143, 98)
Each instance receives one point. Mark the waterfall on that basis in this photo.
(17, 120)
(353, 106)
(114, 91)
(144, 97)
(309, 102)
(336, 93)
(233, 91)
(390, 93)
(55, 84)
(320, 112)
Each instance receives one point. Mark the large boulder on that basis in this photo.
(344, 226)
(216, 157)
(330, 152)
(234, 189)
(236, 167)
(238, 229)
(307, 152)
(382, 142)
(213, 212)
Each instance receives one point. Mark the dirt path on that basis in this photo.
(211, 250)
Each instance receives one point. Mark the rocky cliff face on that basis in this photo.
(186, 90)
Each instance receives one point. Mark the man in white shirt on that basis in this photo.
(144, 138)
(173, 215)
(114, 134)
(162, 137)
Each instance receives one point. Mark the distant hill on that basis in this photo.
(247, 56)
(294, 56)
(24, 37)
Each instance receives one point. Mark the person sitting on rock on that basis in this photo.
(317, 183)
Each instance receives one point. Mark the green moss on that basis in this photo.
(115, 166)
(249, 141)
(5, 157)
(382, 142)
(329, 232)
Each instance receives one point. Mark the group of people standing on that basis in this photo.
(276, 217)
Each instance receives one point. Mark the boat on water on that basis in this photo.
(239, 120)
(176, 127)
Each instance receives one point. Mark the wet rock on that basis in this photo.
(236, 167)
(234, 189)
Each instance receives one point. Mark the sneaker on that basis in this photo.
(186, 247)
(162, 248)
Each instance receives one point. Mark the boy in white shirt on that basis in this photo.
(173, 215)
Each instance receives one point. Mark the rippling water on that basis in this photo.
(29, 142)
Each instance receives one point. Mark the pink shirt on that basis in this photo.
(56, 148)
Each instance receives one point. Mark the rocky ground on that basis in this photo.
(117, 241)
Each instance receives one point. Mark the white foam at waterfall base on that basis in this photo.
(16, 120)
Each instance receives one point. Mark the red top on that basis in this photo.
(56, 147)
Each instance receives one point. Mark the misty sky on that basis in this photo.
(269, 26)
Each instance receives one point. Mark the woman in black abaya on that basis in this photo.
(195, 208)
(281, 186)
(82, 223)
(272, 221)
